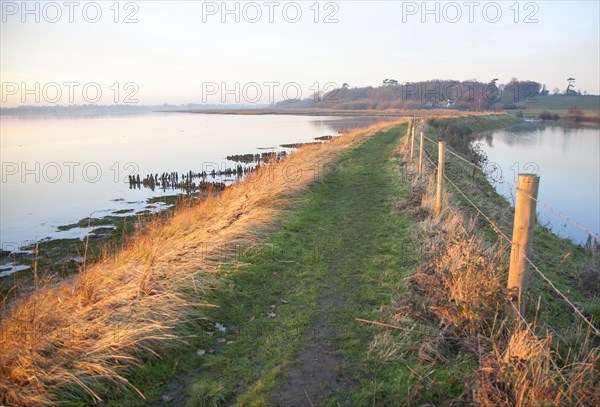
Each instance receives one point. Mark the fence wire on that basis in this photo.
(503, 235)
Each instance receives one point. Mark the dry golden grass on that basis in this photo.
(524, 372)
(85, 331)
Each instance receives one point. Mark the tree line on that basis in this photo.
(391, 94)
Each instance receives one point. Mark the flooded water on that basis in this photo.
(56, 171)
(568, 163)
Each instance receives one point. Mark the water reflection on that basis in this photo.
(58, 170)
(568, 162)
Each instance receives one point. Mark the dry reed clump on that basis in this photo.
(525, 373)
(464, 280)
(83, 333)
(471, 281)
(462, 286)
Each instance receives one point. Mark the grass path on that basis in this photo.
(287, 333)
(340, 254)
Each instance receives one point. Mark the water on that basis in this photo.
(568, 163)
(56, 171)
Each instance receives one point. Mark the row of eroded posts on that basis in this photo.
(524, 222)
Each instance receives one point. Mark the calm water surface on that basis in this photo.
(56, 171)
(568, 163)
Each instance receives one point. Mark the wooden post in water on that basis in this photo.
(421, 155)
(440, 177)
(525, 218)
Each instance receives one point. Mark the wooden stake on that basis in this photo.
(525, 218)
(412, 144)
(421, 155)
(440, 177)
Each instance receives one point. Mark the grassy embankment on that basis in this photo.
(344, 253)
(560, 105)
(78, 336)
(551, 361)
(442, 334)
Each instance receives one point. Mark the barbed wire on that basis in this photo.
(490, 221)
(563, 296)
(428, 139)
(455, 212)
(498, 230)
(495, 227)
(503, 235)
(426, 155)
(565, 217)
(544, 204)
(451, 152)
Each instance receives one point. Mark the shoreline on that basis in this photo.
(391, 113)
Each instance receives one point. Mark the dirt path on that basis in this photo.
(351, 212)
(317, 369)
(290, 310)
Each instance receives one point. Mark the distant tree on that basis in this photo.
(544, 91)
(555, 91)
(493, 92)
(390, 82)
(345, 85)
(571, 85)
(519, 91)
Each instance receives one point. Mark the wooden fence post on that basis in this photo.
(406, 144)
(421, 155)
(440, 177)
(525, 218)
(412, 144)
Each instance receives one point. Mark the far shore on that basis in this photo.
(318, 112)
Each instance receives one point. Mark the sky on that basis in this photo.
(179, 52)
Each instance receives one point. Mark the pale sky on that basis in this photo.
(194, 51)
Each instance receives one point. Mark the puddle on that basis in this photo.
(6, 269)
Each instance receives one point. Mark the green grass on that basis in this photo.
(565, 102)
(344, 240)
(343, 246)
(560, 105)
